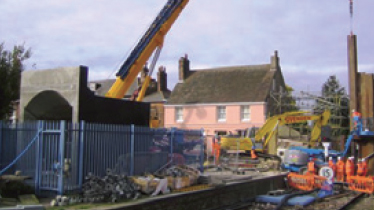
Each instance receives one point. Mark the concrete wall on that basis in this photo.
(50, 94)
(62, 94)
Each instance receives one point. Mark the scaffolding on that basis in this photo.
(315, 103)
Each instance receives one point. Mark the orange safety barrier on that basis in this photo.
(305, 182)
(300, 182)
(361, 184)
(318, 181)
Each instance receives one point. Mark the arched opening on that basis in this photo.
(48, 105)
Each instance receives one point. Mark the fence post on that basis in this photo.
(132, 149)
(60, 185)
(172, 137)
(1, 143)
(81, 151)
(38, 158)
(202, 149)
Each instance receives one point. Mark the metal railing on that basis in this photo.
(59, 154)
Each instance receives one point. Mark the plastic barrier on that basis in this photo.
(318, 181)
(305, 182)
(361, 184)
(300, 182)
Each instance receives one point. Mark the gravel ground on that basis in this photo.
(365, 203)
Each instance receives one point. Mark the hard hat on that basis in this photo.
(353, 110)
(253, 147)
(339, 158)
(330, 158)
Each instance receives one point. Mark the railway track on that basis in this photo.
(337, 202)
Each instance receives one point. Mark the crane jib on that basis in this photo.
(161, 18)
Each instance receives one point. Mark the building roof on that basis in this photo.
(158, 96)
(249, 83)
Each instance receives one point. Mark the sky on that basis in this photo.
(309, 35)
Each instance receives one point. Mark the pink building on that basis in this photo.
(222, 100)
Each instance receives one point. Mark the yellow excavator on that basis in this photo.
(150, 43)
(261, 137)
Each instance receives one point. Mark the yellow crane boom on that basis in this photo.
(152, 39)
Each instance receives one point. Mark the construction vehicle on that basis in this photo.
(256, 139)
(151, 42)
(260, 137)
(296, 158)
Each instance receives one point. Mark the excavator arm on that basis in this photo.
(269, 128)
(152, 39)
(315, 135)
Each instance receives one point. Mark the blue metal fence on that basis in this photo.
(59, 154)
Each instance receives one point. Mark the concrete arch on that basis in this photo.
(48, 105)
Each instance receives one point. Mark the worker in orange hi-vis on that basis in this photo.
(356, 117)
(353, 166)
(355, 113)
(340, 170)
(332, 165)
(216, 149)
(253, 153)
(360, 168)
(364, 166)
(311, 168)
(349, 167)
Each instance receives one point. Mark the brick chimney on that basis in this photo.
(162, 79)
(274, 61)
(184, 68)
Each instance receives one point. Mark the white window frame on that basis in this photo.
(179, 114)
(221, 113)
(245, 113)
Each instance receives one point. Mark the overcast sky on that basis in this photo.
(310, 35)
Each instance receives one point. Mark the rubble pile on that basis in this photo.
(111, 187)
(179, 171)
(180, 176)
(114, 187)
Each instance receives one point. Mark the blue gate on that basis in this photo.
(58, 160)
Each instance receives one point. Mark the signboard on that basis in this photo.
(297, 119)
(326, 172)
